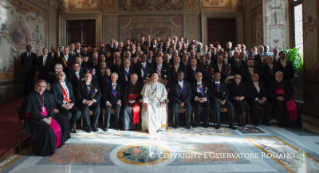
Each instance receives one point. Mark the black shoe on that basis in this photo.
(72, 130)
(176, 126)
(188, 126)
(89, 129)
(95, 129)
(244, 123)
(205, 125)
(218, 126)
(232, 127)
(106, 129)
(196, 125)
(158, 130)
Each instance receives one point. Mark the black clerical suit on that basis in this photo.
(148, 70)
(181, 94)
(221, 93)
(281, 107)
(90, 92)
(28, 62)
(112, 95)
(197, 93)
(252, 95)
(130, 89)
(123, 79)
(74, 113)
(45, 69)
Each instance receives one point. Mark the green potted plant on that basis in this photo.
(296, 58)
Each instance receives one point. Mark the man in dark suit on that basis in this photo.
(112, 98)
(144, 70)
(286, 67)
(247, 73)
(53, 54)
(73, 54)
(167, 48)
(163, 71)
(181, 95)
(65, 99)
(125, 72)
(200, 97)
(44, 65)
(256, 97)
(89, 94)
(267, 71)
(76, 76)
(237, 65)
(192, 70)
(219, 66)
(219, 97)
(66, 60)
(176, 68)
(28, 62)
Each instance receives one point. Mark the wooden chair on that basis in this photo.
(22, 128)
(164, 82)
(223, 110)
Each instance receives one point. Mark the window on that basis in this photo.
(297, 24)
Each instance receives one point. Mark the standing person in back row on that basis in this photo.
(28, 62)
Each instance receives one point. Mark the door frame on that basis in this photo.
(79, 16)
(235, 15)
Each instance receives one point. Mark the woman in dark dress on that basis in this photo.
(44, 130)
(237, 96)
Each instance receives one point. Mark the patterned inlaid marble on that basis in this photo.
(80, 154)
(285, 154)
(206, 153)
(200, 131)
(143, 133)
(100, 133)
(249, 130)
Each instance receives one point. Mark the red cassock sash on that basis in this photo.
(291, 105)
(136, 108)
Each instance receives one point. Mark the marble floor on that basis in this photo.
(252, 149)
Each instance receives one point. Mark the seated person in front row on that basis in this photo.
(237, 96)
(65, 99)
(131, 104)
(154, 110)
(89, 94)
(201, 95)
(219, 97)
(112, 97)
(180, 98)
(281, 93)
(257, 96)
(44, 130)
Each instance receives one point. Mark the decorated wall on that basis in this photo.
(276, 23)
(21, 23)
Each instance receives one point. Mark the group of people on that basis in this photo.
(74, 81)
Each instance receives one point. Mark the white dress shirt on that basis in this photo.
(44, 59)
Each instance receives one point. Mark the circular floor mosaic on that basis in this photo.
(144, 157)
(142, 154)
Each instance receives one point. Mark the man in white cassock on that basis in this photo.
(154, 109)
